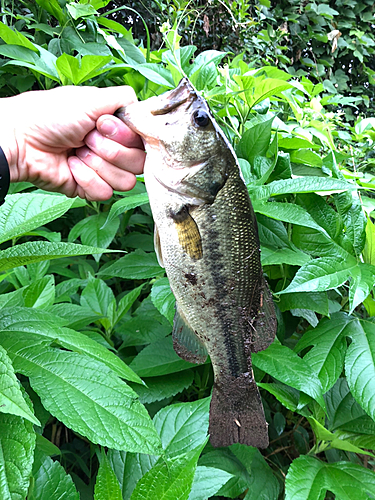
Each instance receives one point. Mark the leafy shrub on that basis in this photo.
(81, 320)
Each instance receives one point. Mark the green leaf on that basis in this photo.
(156, 74)
(127, 203)
(207, 482)
(278, 256)
(286, 212)
(86, 396)
(51, 481)
(159, 388)
(40, 293)
(21, 213)
(53, 7)
(97, 296)
(306, 157)
(80, 70)
(263, 485)
(17, 443)
(169, 478)
(92, 231)
(157, 359)
(183, 427)
(369, 249)
(163, 299)
(321, 274)
(13, 37)
(359, 364)
(77, 10)
(299, 185)
(326, 358)
(136, 265)
(283, 364)
(309, 479)
(255, 141)
(361, 283)
(129, 468)
(37, 251)
(287, 396)
(106, 487)
(11, 398)
(39, 327)
(313, 301)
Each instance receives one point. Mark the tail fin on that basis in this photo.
(236, 413)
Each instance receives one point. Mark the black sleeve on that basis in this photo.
(4, 176)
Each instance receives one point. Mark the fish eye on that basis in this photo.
(201, 118)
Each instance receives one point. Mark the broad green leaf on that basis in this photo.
(77, 10)
(321, 211)
(107, 486)
(299, 185)
(50, 481)
(129, 468)
(353, 236)
(169, 478)
(80, 70)
(17, 443)
(277, 256)
(272, 232)
(37, 251)
(92, 232)
(135, 265)
(182, 427)
(328, 339)
(13, 37)
(317, 243)
(53, 7)
(204, 58)
(21, 213)
(207, 482)
(125, 303)
(73, 315)
(40, 293)
(359, 364)
(73, 388)
(306, 157)
(314, 301)
(224, 460)
(309, 479)
(287, 396)
(97, 296)
(321, 274)
(38, 327)
(11, 398)
(157, 359)
(283, 364)
(361, 284)
(43, 64)
(295, 143)
(255, 141)
(287, 212)
(163, 299)
(155, 73)
(159, 388)
(266, 88)
(369, 249)
(127, 203)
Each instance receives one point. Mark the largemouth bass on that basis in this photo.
(206, 237)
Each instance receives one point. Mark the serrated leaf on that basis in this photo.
(86, 396)
(157, 359)
(277, 256)
(129, 468)
(159, 388)
(135, 265)
(299, 185)
(317, 243)
(182, 427)
(51, 481)
(163, 299)
(321, 274)
(361, 283)
(326, 357)
(107, 486)
(40, 293)
(37, 251)
(97, 296)
(11, 399)
(359, 364)
(39, 327)
(169, 478)
(255, 141)
(309, 479)
(21, 213)
(127, 203)
(207, 482)
(17, 443)
(284, 365)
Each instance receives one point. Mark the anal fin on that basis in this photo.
(185, 342)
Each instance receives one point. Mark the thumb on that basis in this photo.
(109, 99)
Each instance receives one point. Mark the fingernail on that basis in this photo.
(108, 128)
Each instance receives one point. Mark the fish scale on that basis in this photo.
(207, 240)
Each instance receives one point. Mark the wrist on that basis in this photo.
(8, 140)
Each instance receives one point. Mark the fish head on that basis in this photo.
(180, 129)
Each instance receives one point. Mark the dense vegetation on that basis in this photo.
(86, 311)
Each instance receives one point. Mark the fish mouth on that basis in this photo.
(173, 99)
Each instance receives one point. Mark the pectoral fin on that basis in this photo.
(188, 233)
(185, 342)
(157, 246)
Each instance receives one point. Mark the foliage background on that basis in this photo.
(81, 321)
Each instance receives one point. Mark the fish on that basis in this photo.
(206, 237)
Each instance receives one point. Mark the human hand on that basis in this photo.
(67, 140)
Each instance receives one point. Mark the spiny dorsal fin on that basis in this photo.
(185, 342)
